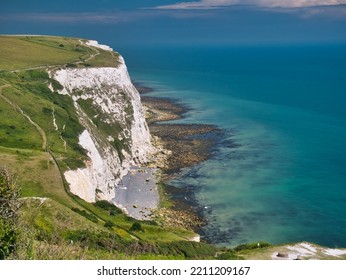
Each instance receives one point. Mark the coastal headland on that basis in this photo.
(73, 131)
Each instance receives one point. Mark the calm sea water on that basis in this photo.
(285, 108)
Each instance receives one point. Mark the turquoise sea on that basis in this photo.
(284, 109)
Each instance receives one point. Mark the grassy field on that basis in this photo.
(15, 131)
(37, 51)
(29, 91)
(23, 52)
(37, 174)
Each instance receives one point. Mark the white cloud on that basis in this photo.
(109, 17)
(214, 4)
(202, 4)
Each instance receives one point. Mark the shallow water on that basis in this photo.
(285, 180)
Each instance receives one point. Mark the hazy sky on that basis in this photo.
(129, 22)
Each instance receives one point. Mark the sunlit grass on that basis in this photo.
(26, 51)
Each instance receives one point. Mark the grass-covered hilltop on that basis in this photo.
(71, 127)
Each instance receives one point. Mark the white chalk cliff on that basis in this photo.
(113, 151)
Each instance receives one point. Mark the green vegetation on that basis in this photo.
(85, 214)
(251, 246)
(29, 92)
(22, 52)
(136, 227)
(109, 224)
(39, 132)
(9, 206)
(48, 230)
(109, 207)
(34, 51)
(15, 131)
(104, 58)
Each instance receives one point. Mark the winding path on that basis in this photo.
(16, 107)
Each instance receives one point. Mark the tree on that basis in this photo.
(9, 206)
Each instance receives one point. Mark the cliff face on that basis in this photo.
(116, 135)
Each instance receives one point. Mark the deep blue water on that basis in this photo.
(285, 108)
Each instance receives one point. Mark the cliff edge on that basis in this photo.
(116, 136)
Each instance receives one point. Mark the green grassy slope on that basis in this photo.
(24, 52)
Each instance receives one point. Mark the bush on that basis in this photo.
(8, 239)
(98, 240)
(105, 205)
(113, 213)
(251, 246)
(85, 214)
(188, 249)
(9, 206)
(228, 255)
(74, 163)
(136, 227)
(109, 224)
(35, 74)
(56, 85)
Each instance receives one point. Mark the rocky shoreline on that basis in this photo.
(187, 145)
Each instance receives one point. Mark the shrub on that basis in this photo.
(113, 213)
(194, 250)
(74, 163)
(251, 246)
(8, 239)
(188, 249)
(105, 205)
(85, 214)
(9, 206)
(228, 255)
(56, 85)
(98, 240)
(109, 224)
(136, 227)
(35, 74)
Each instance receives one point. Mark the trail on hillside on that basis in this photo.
(91, 56)
(16, 107)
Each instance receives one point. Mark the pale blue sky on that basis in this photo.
(180, 22)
